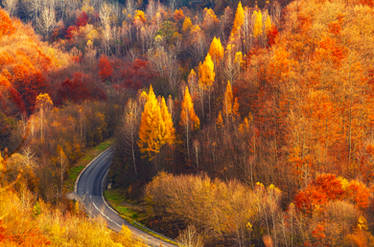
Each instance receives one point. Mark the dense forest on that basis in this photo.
(235, 123)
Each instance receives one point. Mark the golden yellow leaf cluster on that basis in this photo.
(206, 73)
(156, 126)
(188, 115)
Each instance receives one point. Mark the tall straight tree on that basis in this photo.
(43, 101)
(206, 76)
(167, 126)
(230, 104)
(131, 119)
(188, 118)
(238, 21)
(257, 26)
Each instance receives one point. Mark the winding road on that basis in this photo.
(89, 188)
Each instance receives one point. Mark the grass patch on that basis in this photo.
(131, 212)
(127, 209)
(88, 155)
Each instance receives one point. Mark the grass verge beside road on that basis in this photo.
(127, 209)
(131, 212)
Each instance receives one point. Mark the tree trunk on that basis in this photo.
(133, 154)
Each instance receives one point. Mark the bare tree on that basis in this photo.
(105, 19)
(231, 67)
(131, 120)
(166, 64)
(10, 6)
(172, 4)
(130, 6)
(32, 8)
(63, 162)
(65, 7)
(46, 21)
(190, 237)
(105, 14)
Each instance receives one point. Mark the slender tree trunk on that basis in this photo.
(210, 110)
(187, 136)
(197, 157)
(202, 101)
(133, 154)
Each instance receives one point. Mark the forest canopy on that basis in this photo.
(233, 123)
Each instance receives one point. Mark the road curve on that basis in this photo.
(89, 188)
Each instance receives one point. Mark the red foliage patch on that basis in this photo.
(137, 74)
(328, 187)
(105, 68)
(82, 19)
(272, 35)
(27, 90)
(78, 89)
(70, 32)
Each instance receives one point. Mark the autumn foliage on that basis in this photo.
(156, 126)
(206, 73)
(24, 60)
(106, 69)
(42, 226)
(329, 187)
(189, 119)
(221, 209)
(216, 50)
(238, 20)
(248, 98)
(6, 26)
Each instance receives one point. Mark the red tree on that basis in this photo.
(82, 19)
(79, 88)
(105, 68)
(137, 74)
(272, 34)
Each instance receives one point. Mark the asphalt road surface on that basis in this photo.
(89, 188)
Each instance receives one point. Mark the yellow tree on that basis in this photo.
(228, 100)
(216, 50)
(187, 24)
(149, 130)
(230, 105)
(167, 126)
(206, 76)
(43, 101)
(219, 120)
(4, 183)
(268, 23)
(257, 26)
(238, 21)
(188, 118)
(156, 126)
(192, 81)
(210, 19)
(139, 17)
(235, 108)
